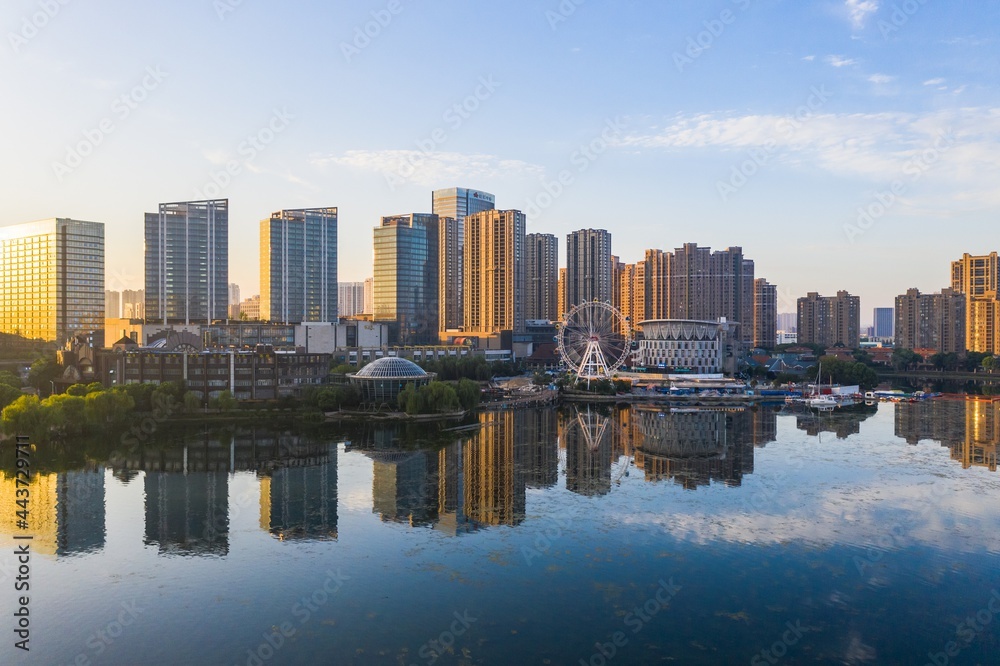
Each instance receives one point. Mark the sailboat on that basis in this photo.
(824, 403)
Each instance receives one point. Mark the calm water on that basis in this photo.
(546, 537)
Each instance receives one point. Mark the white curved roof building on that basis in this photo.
(687, 345)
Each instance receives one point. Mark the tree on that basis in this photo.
(989, 363)
(469, 394)
(10, 379)
(8, 394)
(141, 394)
(108, 407)
(191, 401)
(905, 359)
(63, 415)
(23, 416)
(44, 371)
(226, 402)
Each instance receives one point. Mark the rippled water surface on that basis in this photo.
(542, 537)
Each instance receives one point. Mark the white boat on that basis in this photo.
(824, 403)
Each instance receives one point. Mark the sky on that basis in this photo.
(843, 144)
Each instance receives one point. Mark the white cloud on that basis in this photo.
(860, 10)
(840, 61)
(430, 168)
(880, 147)
(933, 82)
(809, 58)
(880, 79)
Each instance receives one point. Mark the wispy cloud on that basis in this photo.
(809, 58)
(933, 82)
(840, 61)
(860, 10)
(430, 168)
(878, 147)
(881, 79)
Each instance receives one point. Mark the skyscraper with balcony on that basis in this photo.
(929, 321)
(541, 258)
(830, 320)
(187, 262)
(978, 277)
(452, 205)
(52, 279)
(494, 272)
(351, 299)
(406, 276)
(588, 266)
(298, 266)
(765, 314)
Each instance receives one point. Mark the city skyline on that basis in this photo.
(777, 155)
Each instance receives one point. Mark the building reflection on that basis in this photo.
(970, 429)
(187, 488)
(66, 511)
(589, 436)
(842, 424)
(694, 447)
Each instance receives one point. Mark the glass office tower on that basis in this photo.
(452, 205)
(52, 279)
(298, 266)
(406, 276)
(187, 262)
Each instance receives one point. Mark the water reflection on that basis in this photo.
(969, 428)
(66, 514)
(454, 482)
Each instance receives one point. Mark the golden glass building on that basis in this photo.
(52, 279)
(494, 271)
(978, 278)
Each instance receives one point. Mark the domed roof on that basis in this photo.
(392, 367)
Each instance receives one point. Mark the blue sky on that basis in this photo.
(767, 124)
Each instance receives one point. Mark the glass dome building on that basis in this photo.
(382, 380)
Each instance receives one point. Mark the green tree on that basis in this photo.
(77, 390)
(989, 363)
(8, 394)
(226, 402)
(63, 415)
(191, 401)
(108, 407)
(10, 379)
(905, 359)
(23, 416)
(141, 394)
(469, 394)
(44, 371)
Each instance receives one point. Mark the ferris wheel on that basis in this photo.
(595, 340)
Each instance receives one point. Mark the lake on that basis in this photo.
(544, 536)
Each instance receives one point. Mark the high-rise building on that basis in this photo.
(369, 305)
(134, 304)
(351, 298)
(406, 276)
(656, 284)
(234, 300)
(788, 322)
(52, 279)
(494, 271)
(112, 304)
(561, 294)
(250, 309)
(830, 320)
(617, 266)
(452, 205)
(187, 262)
(929, 321)
(765, 314)
(541, 258)
(884, 321)
(588, 266)
(978, 279)
(298, 266)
